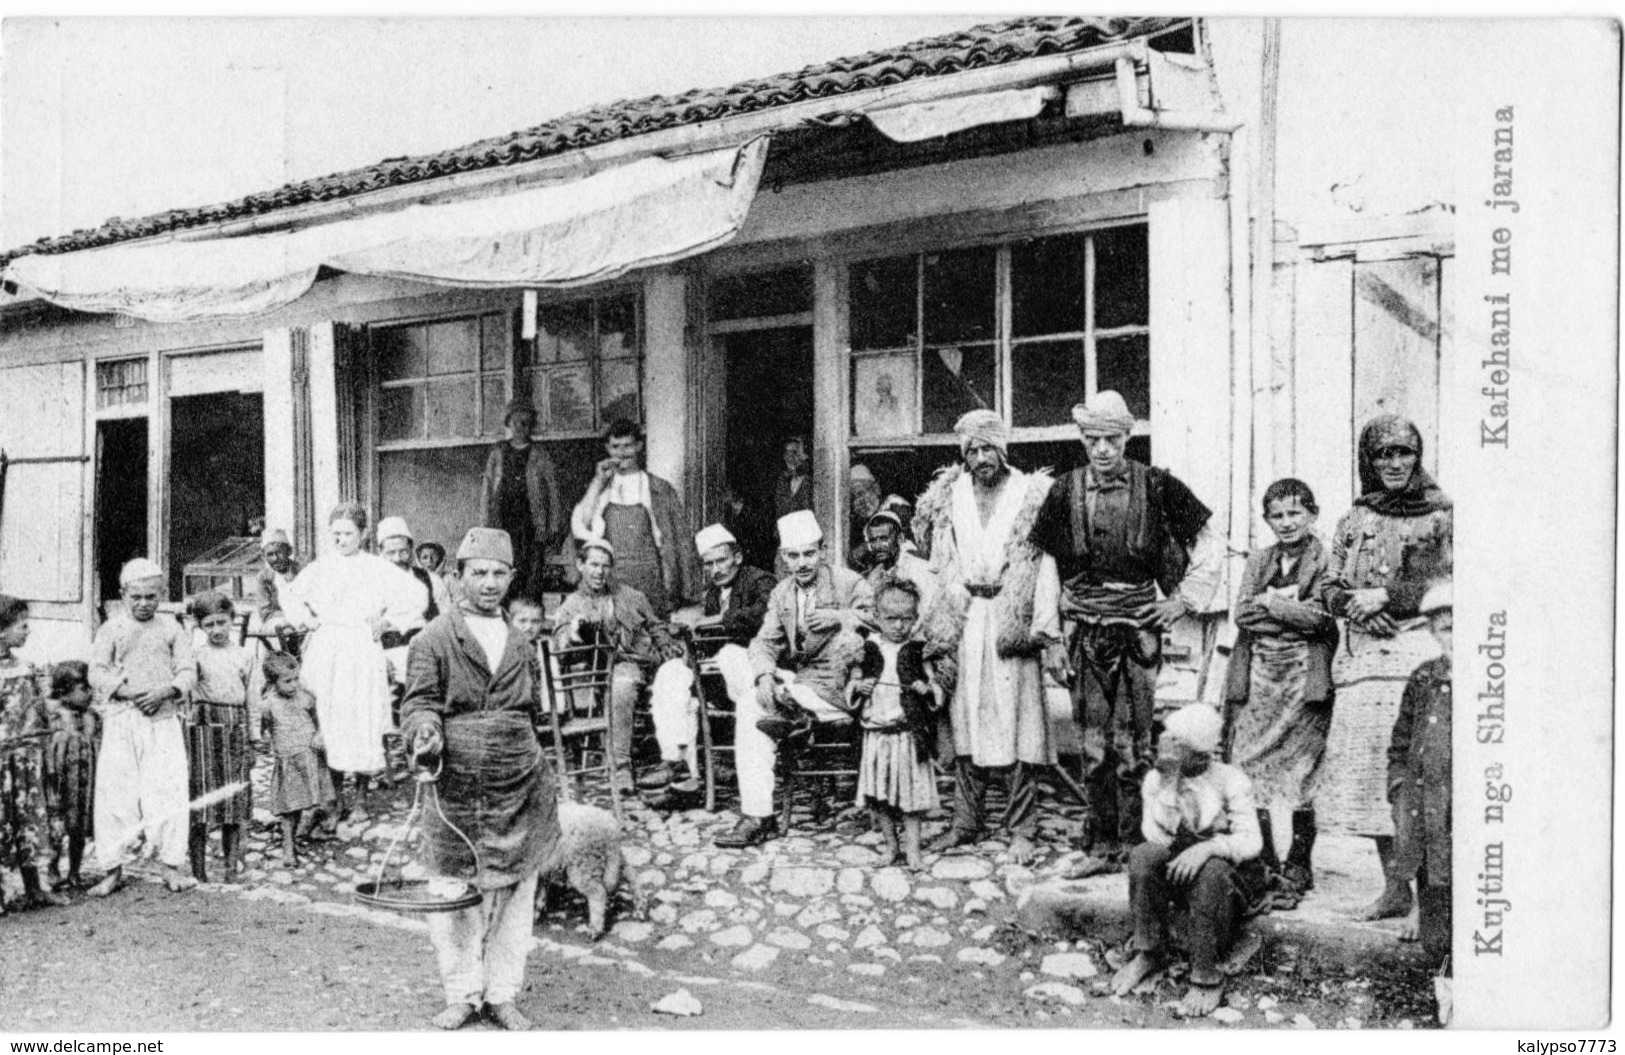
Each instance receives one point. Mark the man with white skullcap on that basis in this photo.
(604, 609)
(142, 670)
(273, 577)
(1200, 849)
(995, 616)
(1121, 531)
(395, 546)
(801, 660)
(470, 715)
(735, 601)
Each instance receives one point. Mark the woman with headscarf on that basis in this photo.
(1397, 537)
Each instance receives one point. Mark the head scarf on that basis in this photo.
(1420, 495)
(983, 426)
(1104, 412)
(1196, 725)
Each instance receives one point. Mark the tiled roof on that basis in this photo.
(982, 46)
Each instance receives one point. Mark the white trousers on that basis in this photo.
(482, 950)
(141, 787)
(676, 712)
(755, 753)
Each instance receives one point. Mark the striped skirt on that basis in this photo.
(70, 768)
(219, 752)
(891, 772)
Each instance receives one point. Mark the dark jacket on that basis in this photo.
(265, 581)
(641, 637)
(918, 715)
(548, 516)
(495, 784)
(748, 605)
(785, 503)
(1419, 774)
(1307, 621)
(824, 659)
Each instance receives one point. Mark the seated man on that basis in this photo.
(601, 609)
(735, 602)
(1200, 829)
(802, 658)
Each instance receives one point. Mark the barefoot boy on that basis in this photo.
(142, 669)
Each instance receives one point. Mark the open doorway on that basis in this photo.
(769, 399)
(121, 498)
(216, 474)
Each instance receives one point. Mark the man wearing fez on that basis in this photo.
(520, 494)
(995, 616)
(470, 715)
(1135, 555)
(735, 602)
(801, 660)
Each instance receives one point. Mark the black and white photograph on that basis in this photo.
(904, 522)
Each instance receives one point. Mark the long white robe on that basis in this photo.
(342, 665)
(998, 709)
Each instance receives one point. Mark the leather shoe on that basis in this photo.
(672, 798)
(750, 831)
(658, 777)
(781, 727)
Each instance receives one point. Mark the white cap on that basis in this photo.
(583, 545)
(393, 527)
(712, 536)
(799, 530)
(1437, 598)
(1196, 725)
(139, 570)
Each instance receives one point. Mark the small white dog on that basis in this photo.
(588, 856)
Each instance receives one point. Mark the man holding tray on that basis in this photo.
(469, 713)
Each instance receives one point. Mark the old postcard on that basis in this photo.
(825, 523)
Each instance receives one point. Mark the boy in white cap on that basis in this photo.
(802, 659)
(736, 598)
(1200, 828)
(142, 670)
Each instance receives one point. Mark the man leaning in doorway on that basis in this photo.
(1120, 532)
(642, 519)
(520, 495)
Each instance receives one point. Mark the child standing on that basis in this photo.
(1279, 683)
(142, 670)
(301, 787)
(219, 738)
(24, 730)
(70, 767)
(895, 779)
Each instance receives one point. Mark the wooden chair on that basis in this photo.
(579, 680)
(830, 752)
(703, 643)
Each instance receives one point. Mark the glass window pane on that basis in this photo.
(882, 302)
(618, 326)
(760, 294)
(493, 401)
(959, 291)
(1047, 381)
(618, 390)
(1122, 277)
(568, 406)
(1124, 364)
(454, 347)
(450, 408)
(496, 341)
(955, 380)
(400, 413)
(398, 352)
(564, 331)
(1047, 286)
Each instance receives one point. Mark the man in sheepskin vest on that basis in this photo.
(995, 614)
(470, 712)
(1120, 532)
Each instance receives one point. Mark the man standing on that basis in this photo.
(641, 518)
(395, 546)
(470, 715)
(884, 538)
(520, 494)
(603, 609)
(1120, 531)
(996, 614)
(793, 489)
(735, 602)
(801, 659)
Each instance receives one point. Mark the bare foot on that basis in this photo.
(1394, 903)
(42, 897)
(509, 1018)
(109, 883)
(290, 861)
(455, 1016)
(1137, 970)
(1090, 866)
(914, 861)
(176, 881)
(1022, 850)
(1411, 930)
(1200, 1001)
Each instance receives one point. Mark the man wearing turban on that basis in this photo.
(994, 615)
(1134, 554)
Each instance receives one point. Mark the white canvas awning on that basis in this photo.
(914, 122)
(644, 213)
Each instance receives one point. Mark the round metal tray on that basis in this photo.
(412, 895)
